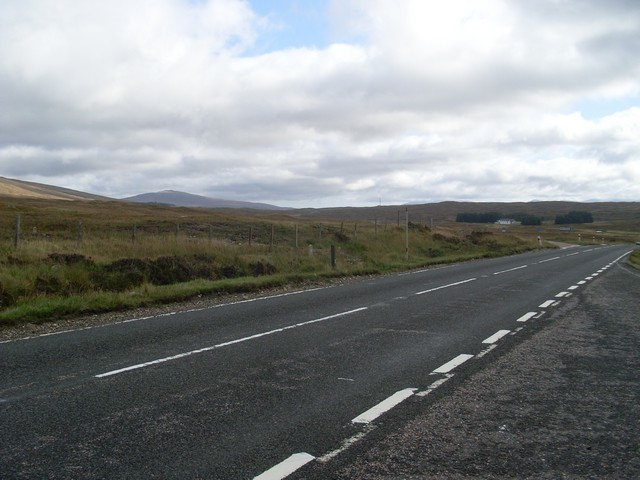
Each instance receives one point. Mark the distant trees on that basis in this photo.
(530, 220)
(574, 217)
(488, 217)
(524, 218)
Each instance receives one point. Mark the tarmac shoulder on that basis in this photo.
(562, 403)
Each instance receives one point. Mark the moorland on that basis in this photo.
(71, 256)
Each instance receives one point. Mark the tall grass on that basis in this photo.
(66, 270)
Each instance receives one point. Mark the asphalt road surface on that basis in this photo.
(274, 386)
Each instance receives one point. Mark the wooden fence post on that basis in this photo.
(79, 234)
(16, 241)
(271, 239)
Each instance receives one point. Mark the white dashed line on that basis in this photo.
(549, 259)
(526, 316)
(451, 364)
(226, 344)
(496, 336)
(510, 270)
(286, 467)
(562, 294)
(384, 406)
(346, 444)
(573, 287)
(446, 286)
(434, 385)
(546, 304)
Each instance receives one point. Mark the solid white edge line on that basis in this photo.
(496, 336)
(225, 344)
(286, 467)
(527, 316)
(546, 304)
(451, 364)
(384, 406)
(446, 286)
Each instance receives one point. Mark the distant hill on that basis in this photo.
(20, 189)
(182, 199)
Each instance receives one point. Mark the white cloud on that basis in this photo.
(414, 101)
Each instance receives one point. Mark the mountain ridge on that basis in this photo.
(184, 199)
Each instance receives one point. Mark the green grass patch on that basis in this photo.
(634, 258)
(56, 272)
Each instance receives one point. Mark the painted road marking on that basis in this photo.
(562, 294)
(546, 304)
(549, 259)
(384, 406)
(581, 282)
(496, 336)
(169, 314)
(573, 287)
(345, 445)
(434, 385)
(451, 364)
(226, 344)
(526, 316)
(446, 286)
(286, 467)
(510, 270)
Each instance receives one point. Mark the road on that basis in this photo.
(264, 386)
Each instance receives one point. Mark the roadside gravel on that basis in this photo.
(562, 403)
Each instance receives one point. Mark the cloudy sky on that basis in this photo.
(324, 102)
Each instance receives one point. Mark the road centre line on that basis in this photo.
(446, 286)
(562, 294)
(384, 406)
(496, 336)
(546, 304)
(286, 467)
(451, 364)
(226, 344)
(549, 259)
(510, 270)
